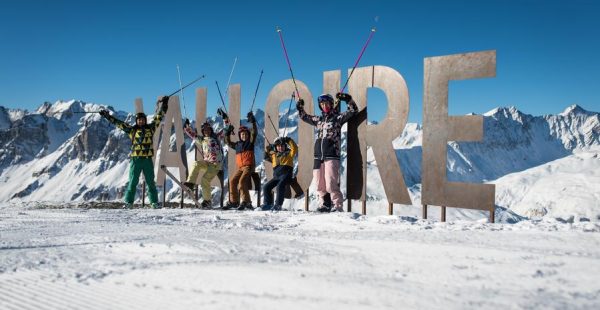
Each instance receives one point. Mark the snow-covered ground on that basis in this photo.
(190, 259)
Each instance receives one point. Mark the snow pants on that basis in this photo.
(240, 183)
(327, 178)
(138, 165)
(282, 176)
(210, 171)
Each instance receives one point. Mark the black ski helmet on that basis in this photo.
(140, 115)
(280, 141)
(326, 98)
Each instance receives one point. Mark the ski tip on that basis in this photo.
(277, 29)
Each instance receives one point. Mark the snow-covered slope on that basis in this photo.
(564, 188)
(59, 154)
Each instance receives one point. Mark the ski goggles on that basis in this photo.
(325, 98)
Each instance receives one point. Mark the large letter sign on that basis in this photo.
(177, 159)
(278, 94)
(439, 128)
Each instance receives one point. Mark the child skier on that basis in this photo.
(142, 150)
(282, 153)
(210, 161)
(326, 169)
(244, 159)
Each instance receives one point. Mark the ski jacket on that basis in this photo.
(140, 136)
(285, 158)
(209, 147)
(244, 150)
(329, 130)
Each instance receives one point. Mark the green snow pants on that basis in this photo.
(138, 165)
(210, 171)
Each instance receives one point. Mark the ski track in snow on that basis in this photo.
(186, 258)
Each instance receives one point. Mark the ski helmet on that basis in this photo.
(140, 115)
(325, 98)
(279, 141)
(243, 129)
(206, 125)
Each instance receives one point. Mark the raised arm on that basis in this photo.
(293, 147)
(228, 132)
(311, 119)
(115, 121)
(190, 132)
(352, 108)
(268, 149)
(164, 105)
(254, 130)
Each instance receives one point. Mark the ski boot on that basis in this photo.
(128, 206)
(266, 207)
(324, 209)
(205, 205)
(189, 185)
(156, 205)
(337, 209)
(245, 205)
(276, 208)
(230, 205)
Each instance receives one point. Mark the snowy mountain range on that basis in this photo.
(59, 154)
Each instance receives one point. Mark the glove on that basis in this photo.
(164, 103)
(190, 131)
(104, 113)
(251, 118)
(222, 114)
(343, 97)
(300, 105)
(186, 123)
(228, 129)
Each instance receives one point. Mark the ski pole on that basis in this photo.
(221, 95)
(288, 60)
(181, 90)
(230, 74)
(358, 59)
(273, 124)
(188, 84)
(287, 115)
(265, 135)
(256, 91)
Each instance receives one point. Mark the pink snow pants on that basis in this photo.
(327, 178)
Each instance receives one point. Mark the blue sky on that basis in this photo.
(110, 52)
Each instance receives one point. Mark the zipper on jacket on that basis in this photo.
(322, 137)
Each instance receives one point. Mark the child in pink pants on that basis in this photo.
(326, 169)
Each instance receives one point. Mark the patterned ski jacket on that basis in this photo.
(329, 130)
(141, 136)
(209, 147)
(244, 150)
(285, 158)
